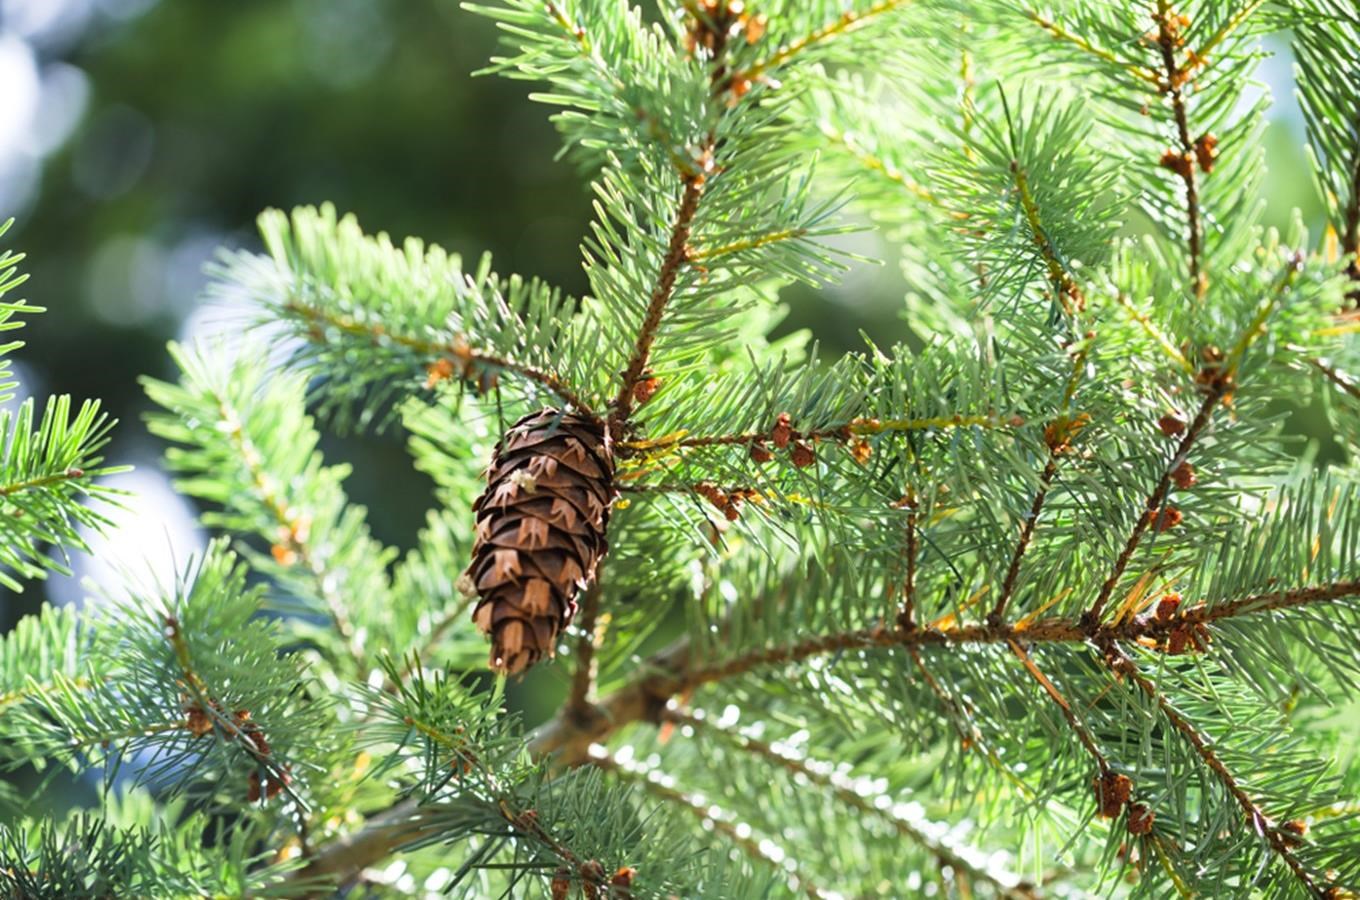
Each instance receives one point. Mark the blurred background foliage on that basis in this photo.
(137, 136)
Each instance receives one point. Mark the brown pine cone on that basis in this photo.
(540, 532)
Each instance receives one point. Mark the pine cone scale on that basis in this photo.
(540, 533)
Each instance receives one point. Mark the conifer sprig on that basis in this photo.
(1054, 557)
(51, 460)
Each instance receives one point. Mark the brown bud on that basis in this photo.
(782, 432)
(1141, 818)
(439, 370)
(760, 453)
(623, 877)
(1168, 518)
(1112, 792)
(1180, 163)
(1059, 433)
(802, 454)
(1171, 425)
(755, 27)
(1294, 831)
(1206, 151)
(1184, 476)
(592, 876)
(196, 721)
(711, 493)
(645, 389)
(861, 451)
(1167, 606)
(560, 887)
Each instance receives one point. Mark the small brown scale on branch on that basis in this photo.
(239, 726)
(540, 533)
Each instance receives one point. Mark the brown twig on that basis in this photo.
(1202, 746)
(1083, 734)
(1152, 506)
(1342, 381)
(1172, 82)
(455, 351)
(998, 612)
(661, 294)
(852, 428)
(1007, 884)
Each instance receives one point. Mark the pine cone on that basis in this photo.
(540, 532)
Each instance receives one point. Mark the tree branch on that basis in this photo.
(1060, 33)
(291, 521)
(675, 257)
(855, 427)
(455, 351)
(705, 814)
(41, 481)
(1171, 82)
(1257, 819)
(1152, 506)
(568, 739)
(1342, 381)
(847, 22)
(1006, 883)
(1083, 734)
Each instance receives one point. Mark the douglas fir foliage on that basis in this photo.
(1045, 603)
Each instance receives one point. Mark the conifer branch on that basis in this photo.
(752, 847)
(1060, 33)
(676, 254)
(699, 255)
(672, 672)
(293, 525)
(1256, 819)
(1060, 431)
(1220, 380)
(446, 357)
(956, 713)
(204, 712)
(1152, 507)
(1083, 734)
(854, 427)
(1345, 382)
(41, 481)
(1171, 82)
(906, 617)
(997, 615)
(1150, 328)
(567, 739)
(848, 21)
(885, 169)
(1006, 883)
(1236, 21)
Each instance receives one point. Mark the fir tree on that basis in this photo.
(1044, 603)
